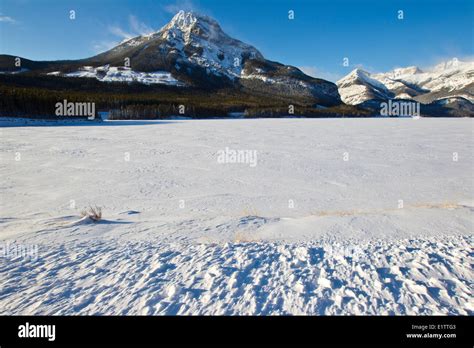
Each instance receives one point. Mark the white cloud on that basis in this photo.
(6, 19)
(117, 31)
(139, 27)
(135, 28)
(443, 59)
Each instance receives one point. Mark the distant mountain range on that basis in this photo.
(449, 85)
(450, 79)
(192, 53)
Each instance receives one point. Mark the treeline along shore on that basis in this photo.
(33, 96)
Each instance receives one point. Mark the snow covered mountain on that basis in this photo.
(189, 40)
(192, 50)
(358, 87)
(197, 52)
(448, 80)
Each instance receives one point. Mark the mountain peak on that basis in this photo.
(356, 74)
(359, 86)
(184, 20)
(189, 22)
(359, 72)
(199, 40)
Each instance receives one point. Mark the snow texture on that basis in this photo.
(387, 231)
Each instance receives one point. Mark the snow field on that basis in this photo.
(380, 219)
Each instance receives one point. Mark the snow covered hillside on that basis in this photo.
(113, 74)
(454, 78)
(358, 87)
(329, 216)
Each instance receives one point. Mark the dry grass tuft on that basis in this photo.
(94, 213)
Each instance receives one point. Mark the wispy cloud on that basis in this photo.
(117, 31)
(139, 27)
(185, 5)
(6, 19)
(445, 58)
(135, 28)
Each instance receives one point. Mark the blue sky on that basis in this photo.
(321, 35)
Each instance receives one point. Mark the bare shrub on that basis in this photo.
(94, 213)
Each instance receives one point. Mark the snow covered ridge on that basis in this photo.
(451, 78)
(107, 73)
(359, 86)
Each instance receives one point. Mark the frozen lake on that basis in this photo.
(265, 216)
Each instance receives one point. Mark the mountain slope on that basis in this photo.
(450, 79)
(358, 87)
(192, 50)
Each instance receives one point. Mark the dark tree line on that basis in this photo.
(36, 96)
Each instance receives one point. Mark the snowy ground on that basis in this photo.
(354, 216)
